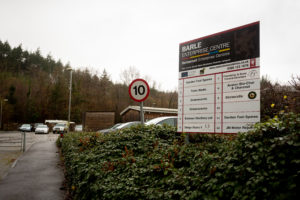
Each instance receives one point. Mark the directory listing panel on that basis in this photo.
(219, 82)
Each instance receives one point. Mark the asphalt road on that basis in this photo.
(37, 173)
(11, 148)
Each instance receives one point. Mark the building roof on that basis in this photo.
(56, 121)
(150, 109)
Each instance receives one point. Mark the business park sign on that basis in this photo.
(219, 82)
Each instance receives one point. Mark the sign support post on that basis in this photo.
(142, 113)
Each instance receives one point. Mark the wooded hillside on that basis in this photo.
(37, 88)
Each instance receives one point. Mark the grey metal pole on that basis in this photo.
(21, 142)
(24, 141)
(1, 112)
(142, 113)
(70, 94)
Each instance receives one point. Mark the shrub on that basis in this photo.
(155, 163)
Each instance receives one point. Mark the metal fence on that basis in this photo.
(14, 141)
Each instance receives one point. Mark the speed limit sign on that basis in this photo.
(139, 90)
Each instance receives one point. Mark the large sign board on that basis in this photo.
(219, 82)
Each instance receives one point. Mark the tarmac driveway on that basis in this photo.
(36, 174)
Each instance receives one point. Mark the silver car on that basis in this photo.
(78, 128)
(171, 121)
(25, 128)
(128, 125)
(120, 126)
(108, 130)
(42, 129)
(60, 128)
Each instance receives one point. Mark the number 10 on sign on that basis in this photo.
(139, 91)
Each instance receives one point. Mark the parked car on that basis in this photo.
(78, 127)
(128, 125)
(109, 129)
(171, 121)
(25, 128)
(60, 128)
(42, 129)
(120, 126)
(36, 125)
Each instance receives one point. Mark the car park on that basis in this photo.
(78, 128)
(60, 128)
(171, 121)
(42, 129)
(25, 128)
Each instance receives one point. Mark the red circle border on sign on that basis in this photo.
(148, 90)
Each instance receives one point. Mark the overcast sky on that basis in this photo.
(117, 34)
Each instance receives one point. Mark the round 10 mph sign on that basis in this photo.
(139, 90)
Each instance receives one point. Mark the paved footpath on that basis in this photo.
(36, 175)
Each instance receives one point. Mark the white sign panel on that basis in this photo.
(219, 82)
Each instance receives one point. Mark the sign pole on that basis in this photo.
(142, 113)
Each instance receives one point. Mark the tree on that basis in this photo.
(37, 88)
(128, 75)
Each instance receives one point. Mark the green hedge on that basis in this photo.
(155, 163)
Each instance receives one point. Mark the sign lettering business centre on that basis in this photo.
(219, 82)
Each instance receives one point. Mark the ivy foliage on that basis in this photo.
(155, 163)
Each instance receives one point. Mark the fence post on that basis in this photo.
(24, 141)
(21, 141)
